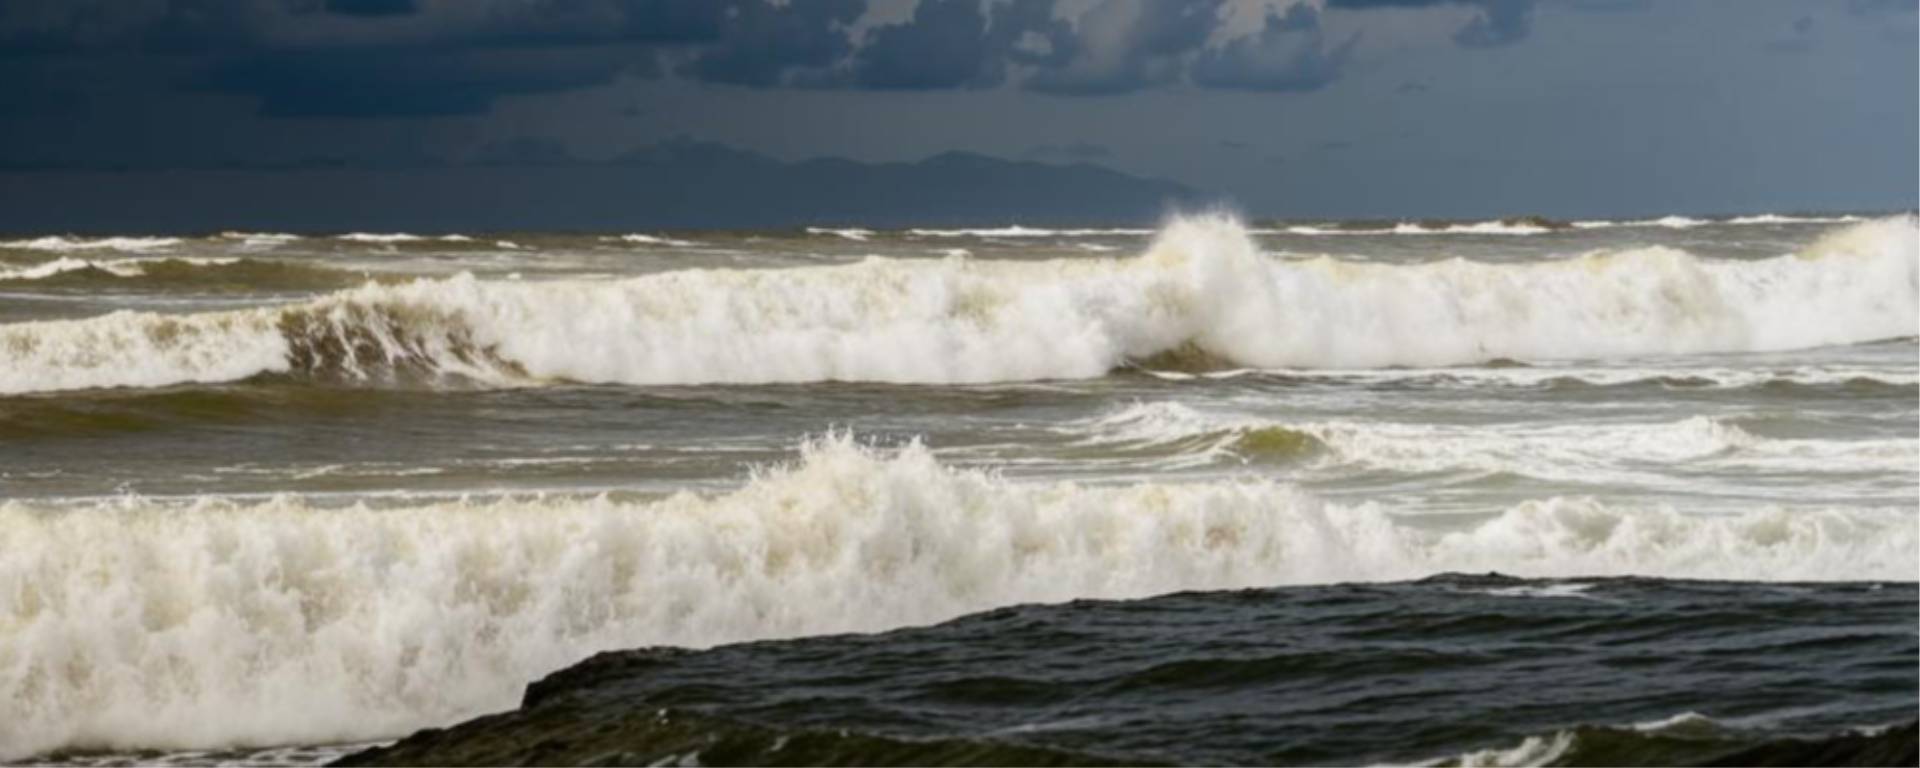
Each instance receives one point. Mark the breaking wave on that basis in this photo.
(1502, 227)
(258, 239)
(1570, 452)
(639, 239)
(63, 265)
(154, 624)
(1567, 376)
(60, 244)
(390, 238)
(850, 233)
(1534, 225)
(1686, 222)
(187, 273)
(1202, 290)
(1691, 738)
(1020, 231)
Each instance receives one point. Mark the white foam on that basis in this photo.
(1410, 228)
(1684, 222)
(1544, 750)
(118, 267)
(145, 624)
(64, 244)
(1533, 750)
(1558, 590)
(1687, 723)
(1774, 218)
(652, 240)
(376, 237)
(260, 239)
(1619, 452)
(1596, 375)
(66, 264)
(1476, 228)
(1020, 231)
(1203, 283)
(855, 234)
(1668, 222)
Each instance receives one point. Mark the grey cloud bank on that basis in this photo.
(1441, 107)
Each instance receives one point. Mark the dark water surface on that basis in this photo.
(1455, 668)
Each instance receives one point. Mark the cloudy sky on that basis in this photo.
(1285, 107)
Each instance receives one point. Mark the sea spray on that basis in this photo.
(1202, 285)
(156, 623)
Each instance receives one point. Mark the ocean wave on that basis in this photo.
(1691, 738)
(390, 238)
(113, 267)
(65, 244)
(640, 239)
(378, 237)
(155, 624)
(1020, 231)
(223, 273)
(1774, 218)
(1572, 452)
(259, 239)
(1501, 227)
(1687, 222)
(1691, 377)
(1534, 225)
(851, 233)
(46, 269)
(1668, 222)
(1203, 287)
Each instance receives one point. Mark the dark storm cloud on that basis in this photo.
(371, 7)
(943, 46)
(1027, 32)
(963, 43)
(764, 44)
(524, 152)
(426, 58)
(1289, 54)
(402, 82)
(1127, 45)
(354, 58)
(1494, 23)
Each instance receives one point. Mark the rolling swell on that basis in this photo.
(1492, 669)
(142, 623)
(178, 273)
(1203, 292)
(1562, 451)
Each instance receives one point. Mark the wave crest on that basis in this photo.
(1203, 286)
(158, 624)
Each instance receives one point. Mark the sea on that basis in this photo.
(1211, 490)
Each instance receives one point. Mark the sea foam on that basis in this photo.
(145, 623)
(1202, 286)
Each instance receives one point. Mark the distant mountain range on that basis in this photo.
(679, 183)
